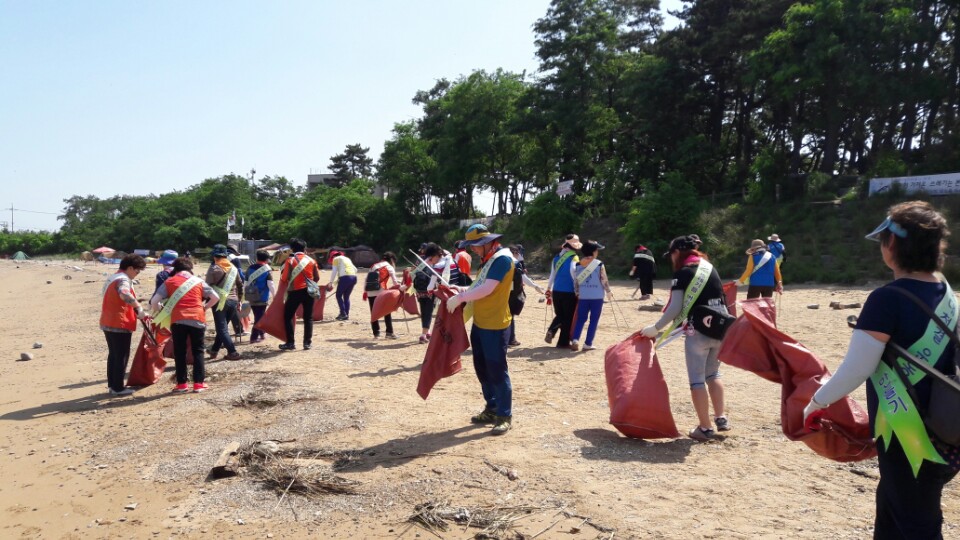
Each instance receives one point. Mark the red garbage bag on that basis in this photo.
(636, 391)
(753, 343)
(148, 363)
(386, 303)
(318, 304)
(730, 296)
(168, 347)
(272, 320)
(410, 304)
(447, 344)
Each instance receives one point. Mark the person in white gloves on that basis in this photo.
(912, 466)
(490, 335)
(696, 282)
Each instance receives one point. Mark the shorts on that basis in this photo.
(702, 361)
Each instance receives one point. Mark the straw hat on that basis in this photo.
(773, 238)
(755, 246)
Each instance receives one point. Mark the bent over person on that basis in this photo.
(490, 295)
(118, 319)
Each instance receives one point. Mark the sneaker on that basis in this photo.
(390, 336)
(645, 297)
(125, 392)
(588, 347)
(514, 343)
(307, 346)
(200, 387)
(340, 317)
(287, 347)
(376, 336)
(487, 416)
(723, 424)
(233, 356)
(181, 388)
(574, 346)
(244, 333)
(211, 354)
(424, 339)
(549, 337)
(700, 434)
(502, 425)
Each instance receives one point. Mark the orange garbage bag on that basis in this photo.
(636, 391)
(148, 363)
(272, 320)
(730, 296)
(386, 303)
(318, 304)
(753, 343)
(449, 341)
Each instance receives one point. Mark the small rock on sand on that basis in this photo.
(37, 345)
(24, 356)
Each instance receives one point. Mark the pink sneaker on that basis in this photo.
(181, 388)
(200, 387)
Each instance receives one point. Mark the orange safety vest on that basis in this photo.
(115, 313)
(190, 307)
(300, 282)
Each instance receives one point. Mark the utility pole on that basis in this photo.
(11, 216)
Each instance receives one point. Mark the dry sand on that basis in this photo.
(73, 460)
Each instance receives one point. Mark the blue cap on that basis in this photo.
(219, 250)
(890, 224)
(168, 257)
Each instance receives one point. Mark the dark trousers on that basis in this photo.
(490, 363)
(756, 291)
(908, 507)
(564, 307)
(345, 286)
(296, 299)
(645, 280)
(426, 312)
(221, 321)
(182, 334)
(118, 354)
(258, 312)
(236, 322)
(375, 325)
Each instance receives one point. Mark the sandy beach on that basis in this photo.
(77, 463)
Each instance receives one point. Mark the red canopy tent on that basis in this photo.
(104, 249)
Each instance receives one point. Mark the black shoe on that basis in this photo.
(288, 347)
(340, 317)
(307, 346)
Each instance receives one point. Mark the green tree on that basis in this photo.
(352, 164)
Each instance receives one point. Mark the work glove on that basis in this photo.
(812, 414)
(452, 303)
(649, 331)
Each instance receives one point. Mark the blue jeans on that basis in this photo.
(490, 363)
(593, 308)
(221, 320)
(258, 311)
(344, 287)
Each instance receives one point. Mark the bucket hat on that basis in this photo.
(219, 250)
(478, 235)
(773, 238)
(168, 257)
(755, 246)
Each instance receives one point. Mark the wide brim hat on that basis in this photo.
(219, 250)
(756, 245)
(574, 242)
(773, 238)
(478, 235)
(168, 257)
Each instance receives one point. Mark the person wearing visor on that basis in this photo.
(913, 465)
(490, 336)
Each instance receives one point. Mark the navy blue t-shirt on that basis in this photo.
(892, 313)
(712, 294)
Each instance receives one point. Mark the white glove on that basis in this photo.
(452, 303)
(649, 331)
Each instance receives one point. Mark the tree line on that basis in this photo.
(744, 100)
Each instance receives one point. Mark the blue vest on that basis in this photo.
(764, 276)
(562, 280)
(591, 288)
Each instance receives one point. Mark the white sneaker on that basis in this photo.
(588, 347)
(125, 392)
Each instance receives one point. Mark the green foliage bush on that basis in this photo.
(548, 217)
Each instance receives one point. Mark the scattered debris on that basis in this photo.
(131, 506)
(228, 463)
(37, 345)
(435, 516)
(49, 282)
(301, 474)
(813, 306)
(838, 305)
(67, 277)
(25, 356)
(509, 473)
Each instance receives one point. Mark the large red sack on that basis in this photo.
(272, 320)
(148, 363)
(730, 296)
(449, 340)
(168, 347)
(637, 394)
(410, 304)
(318, 304)
(753, 343)
(386, 303)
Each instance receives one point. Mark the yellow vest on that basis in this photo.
(492, 312)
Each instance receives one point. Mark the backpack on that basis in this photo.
(517, 296)
(421, 280)
(373, 280)
(251, 291)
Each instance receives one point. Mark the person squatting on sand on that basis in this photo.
(590, 283)
(224, 277)
(184, 313)
(912, 469)
(489, 295)
(695, 283)
(378, 279)
(258, 291)
(295, 272)
(119, 312)
(560, 291)
(343, 274)
(762, 272)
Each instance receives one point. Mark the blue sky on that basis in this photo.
(133, 97)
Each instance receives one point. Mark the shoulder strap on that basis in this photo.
(950, 332)
(764, 259)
